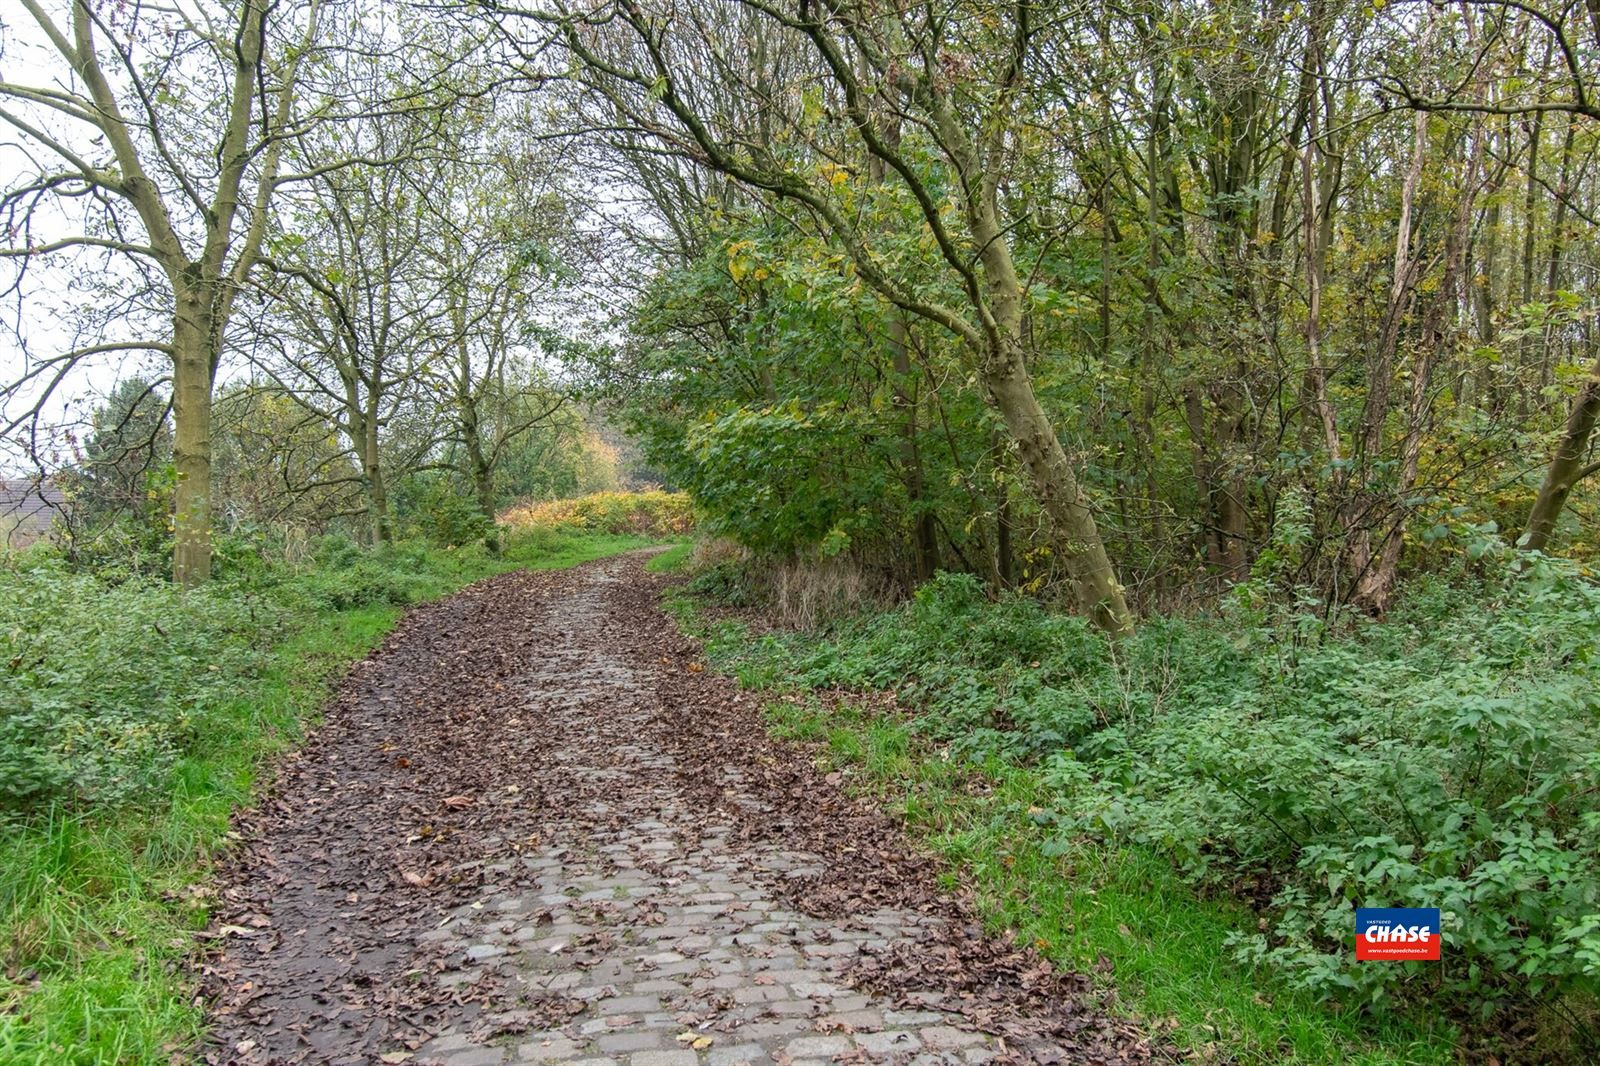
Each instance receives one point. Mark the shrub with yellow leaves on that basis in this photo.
(652, 512)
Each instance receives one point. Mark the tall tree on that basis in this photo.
(1567, 32)
(665, 73)
(352, 311)
(171, 124)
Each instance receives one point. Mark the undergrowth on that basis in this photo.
(1231, 787)
(134, 719)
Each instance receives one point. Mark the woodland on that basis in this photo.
(1186, 411)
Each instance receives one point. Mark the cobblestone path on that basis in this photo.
(594, 890)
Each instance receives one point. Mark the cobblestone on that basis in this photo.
(670, 946)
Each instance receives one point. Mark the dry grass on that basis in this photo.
(808, 592)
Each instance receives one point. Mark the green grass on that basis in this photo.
(1084, 904)
(560, 552)
(672, 560)
(98, 908)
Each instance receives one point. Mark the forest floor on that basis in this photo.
(534, 828)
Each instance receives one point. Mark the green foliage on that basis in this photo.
(126, 464)
(766, 388)
(771, 479)
(727, 583)
(1445, 757)
(435, 507)
(101, 686)
(561, 457)
(104, 683)
(1101, 906)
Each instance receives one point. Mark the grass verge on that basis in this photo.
(671, 560)
(1118, 912)
(99, 905)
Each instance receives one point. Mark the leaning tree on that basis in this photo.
(873, 90)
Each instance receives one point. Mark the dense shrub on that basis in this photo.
(650, 513)
(437, 509)
(106, 677)
(100, 684)
(391, 576)
(1449, 757)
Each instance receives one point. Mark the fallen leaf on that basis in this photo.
(238, 930)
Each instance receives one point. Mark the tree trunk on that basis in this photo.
(1233, 488)
(1004, 373)
(1316, 211)
(483, 486)
(923, 527)
(1076, 536)
(1566, 466)
(1204, 475)
(377, 491)
(1005, 376)
(1366, 504)
(1443, 311)
(470, 425)
(192, 374)
(1004, 562)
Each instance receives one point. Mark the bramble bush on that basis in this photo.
(106, 677)
(1448, 756)
(100, 684)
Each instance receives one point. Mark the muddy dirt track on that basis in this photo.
(533, 829)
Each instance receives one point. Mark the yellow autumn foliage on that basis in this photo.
(651, 512)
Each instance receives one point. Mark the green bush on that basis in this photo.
(367, 582)
(105, 678)
(99, 684)
(726, 583)
(1448, 757)
(440, 511)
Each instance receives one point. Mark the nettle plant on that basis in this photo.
(1447, 758)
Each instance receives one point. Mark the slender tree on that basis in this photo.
(172, 127)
